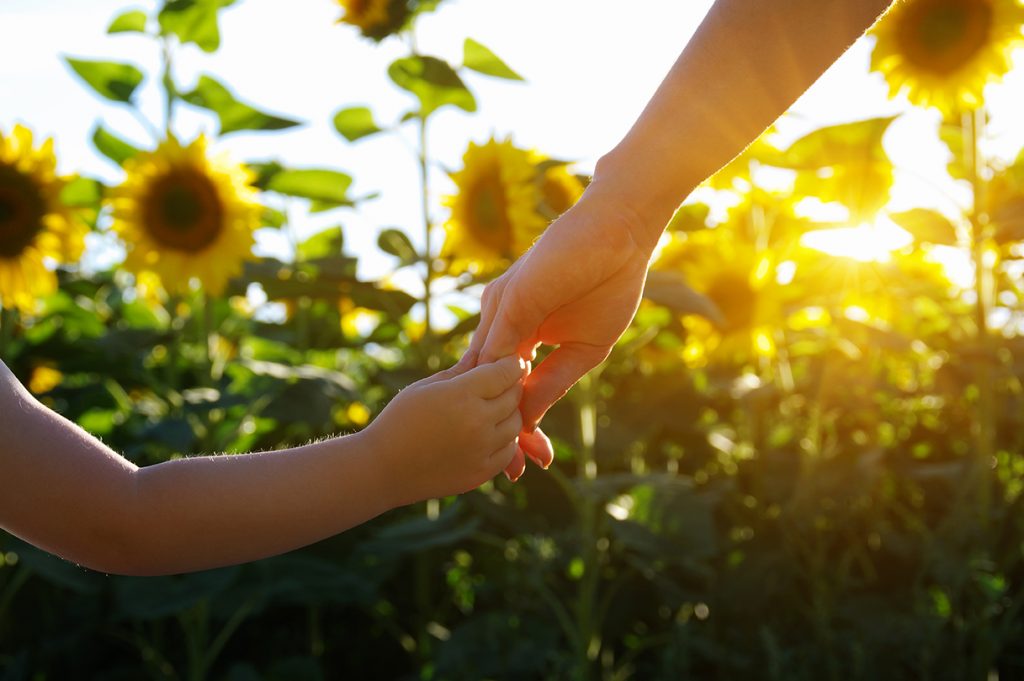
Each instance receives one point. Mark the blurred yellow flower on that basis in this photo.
(44, 378)
(494, 214)
(559, 190)
(740, 282)
(34, 225)
(942, 53)
(185, 216)
(375, 19)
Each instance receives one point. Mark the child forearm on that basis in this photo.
(66, 492)
(217, 510)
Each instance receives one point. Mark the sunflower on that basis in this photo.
(34, 224)
(741, 285)
(495, 214)
(942, 53)
(375, 19)
(184, 216)
(559, 190)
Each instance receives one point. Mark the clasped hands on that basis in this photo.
(577, 289)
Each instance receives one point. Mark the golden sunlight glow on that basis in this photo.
(866, 243)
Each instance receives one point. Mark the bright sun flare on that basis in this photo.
(867, 243)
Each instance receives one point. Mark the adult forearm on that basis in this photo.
(746, 64)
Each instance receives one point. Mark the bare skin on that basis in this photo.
(66, 492)
(747, 63)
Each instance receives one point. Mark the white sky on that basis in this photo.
(590, 67)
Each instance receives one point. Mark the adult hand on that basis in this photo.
(578, 289)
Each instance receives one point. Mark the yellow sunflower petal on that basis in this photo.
(943, 53)
(184, 216)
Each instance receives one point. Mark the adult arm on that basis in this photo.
(580, 285)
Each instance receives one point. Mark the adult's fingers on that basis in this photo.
(514, 325)
(515, 468)
(488, 306)
(536, 445)
(553, 377)
(491, 380)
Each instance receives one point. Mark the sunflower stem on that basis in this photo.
(985, 422)
(428, 251)
(167, 80)
(7, 320)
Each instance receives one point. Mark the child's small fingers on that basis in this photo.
(501, 457)
(505, 403)
(508, 429)
(490, 380)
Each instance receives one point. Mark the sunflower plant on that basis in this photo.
(36, 227)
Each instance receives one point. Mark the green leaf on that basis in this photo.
(477, 57)
(844, 163)
(328, 186)
(355, 122)
(433, 82)
(671, 290)
(396, 243)
(133, 21)
(82, 192)
(692, 217)
(233, 114)
(927, 226)
(193, 21)
(112, 146)
(272, 217)
(322, 244)
(113, 80)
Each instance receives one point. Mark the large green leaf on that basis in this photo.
(671, 290)
(355, 123)
(233, 114)
(844, 163)
(132, 21)
(480, 59)
(112, 146)
(323, 244)
(433, 82)
(193, 21)
(113, 80)
(329, 186)
(927, 226)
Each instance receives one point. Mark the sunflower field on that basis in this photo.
(803, 460)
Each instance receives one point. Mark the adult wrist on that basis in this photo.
(638, 204)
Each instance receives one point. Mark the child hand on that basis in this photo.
(451, 432)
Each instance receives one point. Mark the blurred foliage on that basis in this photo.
(793, 466)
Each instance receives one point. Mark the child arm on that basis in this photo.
(66, 492)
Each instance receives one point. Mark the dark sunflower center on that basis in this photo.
(942, 35)
(183, 211)
(489, 223)
(556, 196)
(734, 297)
(22, 207)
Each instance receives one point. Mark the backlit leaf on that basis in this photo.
(112, 80)
(480, 59)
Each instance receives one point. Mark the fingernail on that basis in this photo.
(522, 363)
(508, 477)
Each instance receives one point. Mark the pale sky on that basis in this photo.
(590, 66)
